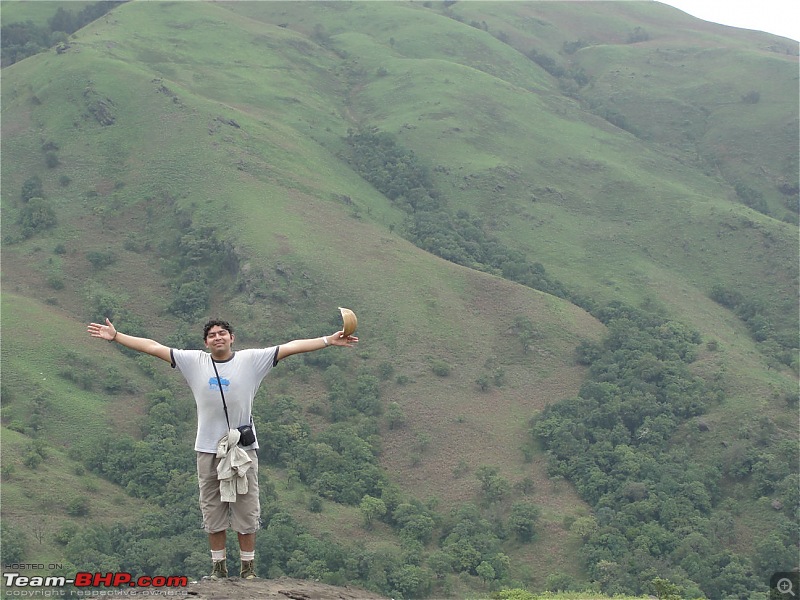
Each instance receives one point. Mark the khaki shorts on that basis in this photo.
(244, 515)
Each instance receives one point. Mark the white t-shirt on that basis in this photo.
(241, 375)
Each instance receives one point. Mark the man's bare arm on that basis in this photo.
(311, 344)
(146, 345)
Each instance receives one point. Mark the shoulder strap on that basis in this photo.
(221, 393)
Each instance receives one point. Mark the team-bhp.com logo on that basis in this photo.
(85, 579)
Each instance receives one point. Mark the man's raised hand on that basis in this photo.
(104, 332)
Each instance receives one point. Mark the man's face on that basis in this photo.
(219, 340)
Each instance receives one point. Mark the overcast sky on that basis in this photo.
(781, 17)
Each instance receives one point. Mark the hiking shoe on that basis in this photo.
(248, 569)
(220, 570)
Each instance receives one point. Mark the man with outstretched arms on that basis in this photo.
(224, 383)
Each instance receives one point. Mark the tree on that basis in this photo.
(63, 20)
(367, 399)
(21, 40)
(485, 571)
(419, 527)
(12, 549)
(522, 521)
(665, 590)
(410, 581)
(371, 508)
(501, 563)
(441, 563)
(190, 299)
(395, 417)
(525, 332)
(514, 594)
(773, 554)
(465, 556)
(494, 487)
(559, 582)
(584, 527)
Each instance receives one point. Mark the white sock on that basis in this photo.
(248, 556)
(217, 555)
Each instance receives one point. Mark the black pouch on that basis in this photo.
(248, 436)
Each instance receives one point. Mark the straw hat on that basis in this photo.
(350, 321)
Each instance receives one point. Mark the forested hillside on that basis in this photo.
(569, 231)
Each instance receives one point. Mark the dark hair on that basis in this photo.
(214, 322)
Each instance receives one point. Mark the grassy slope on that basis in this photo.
(611, 190)
(36, 502)
(370, 264)
(609, 232)
(40, 511)
(643, 220)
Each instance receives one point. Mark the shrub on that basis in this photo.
(315, 504)
(65, 534)
(32, 460)
(573, 47)
(51, 159)
(752, 198)
(78, 507)
(32, 188)
(385, 370)
(441, 368)
(101, 259)
(113, 381)
(36, 216)
(547, 62)
(726, 297)
(751, 97)
(513, 594)
(638, 35)
(55, 281)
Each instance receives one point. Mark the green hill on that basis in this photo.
(525, 204)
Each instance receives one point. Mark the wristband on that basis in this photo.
(115, 336)
(325, 341)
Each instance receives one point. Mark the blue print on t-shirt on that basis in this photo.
(213, 385)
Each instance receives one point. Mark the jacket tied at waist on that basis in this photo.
(232, 469)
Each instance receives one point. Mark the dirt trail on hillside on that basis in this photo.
(234, 588)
